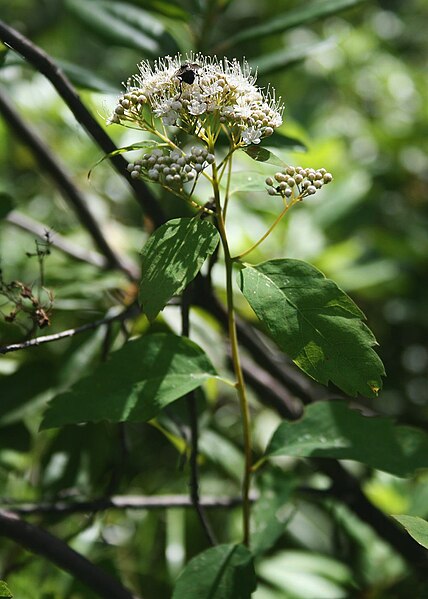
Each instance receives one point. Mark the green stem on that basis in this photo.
(269, 231)
(240, 384)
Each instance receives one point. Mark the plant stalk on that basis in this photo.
(240, 383)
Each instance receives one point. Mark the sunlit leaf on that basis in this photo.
(315, 323)
(3, 53)
(330, 429)
(304, 574)
(416, 527)
(134, 384)
(221, 572)
(172, 258)
(4, 590)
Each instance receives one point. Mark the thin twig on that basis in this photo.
(120, 502)
(35, 342)
(43, 543)
(26, 223)
(45, 65)
(70, 192)
(194, 432)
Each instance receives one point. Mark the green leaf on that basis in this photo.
(222, 572)
(304, 574)
(284, 142)
(136, 382)
(147, 144)
(3, 53)
(125, 25)
(261, 154)
(329, 429)
(292, 18)
(86, 79)
(4, 590)
(271, 512)
(284, 58)
(416, 527)
(172, 258)
(6, 204)
(315, 323)
(169, 9)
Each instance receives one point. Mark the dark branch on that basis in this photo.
(121, 502)
(45, 65)
(43, 543)
(62, 180)
(69, 332)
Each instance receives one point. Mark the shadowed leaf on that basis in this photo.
(136, 382)
(329, 429)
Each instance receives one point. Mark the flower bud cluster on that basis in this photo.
(189, 91)
(171, 168)
(297, 182)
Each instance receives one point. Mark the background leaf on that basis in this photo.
(315, 323)
(272, 510)
(292, 18)
(286, 57)
(329, 429)
(136, 382)
(416, 527)
(172, 258)
(222, 572)
(124, 24)
(6, 204)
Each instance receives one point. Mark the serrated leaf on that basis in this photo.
(290, 19)
(4, 590)
(315, 323)
(124, 24)
(271, 512)
(261, 154)
(329, 429)
(221, 572)
(172, 258)
(134, 384)
(416, 527)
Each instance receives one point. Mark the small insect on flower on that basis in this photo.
(187, 72)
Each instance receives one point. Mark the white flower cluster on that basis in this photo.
(297, 182)
(197, 91)
(171, 168)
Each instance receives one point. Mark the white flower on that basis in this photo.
(226, 87)
(170, 118)
(197, 107)
(251, 136)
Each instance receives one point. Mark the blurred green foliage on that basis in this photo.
(355, 89)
